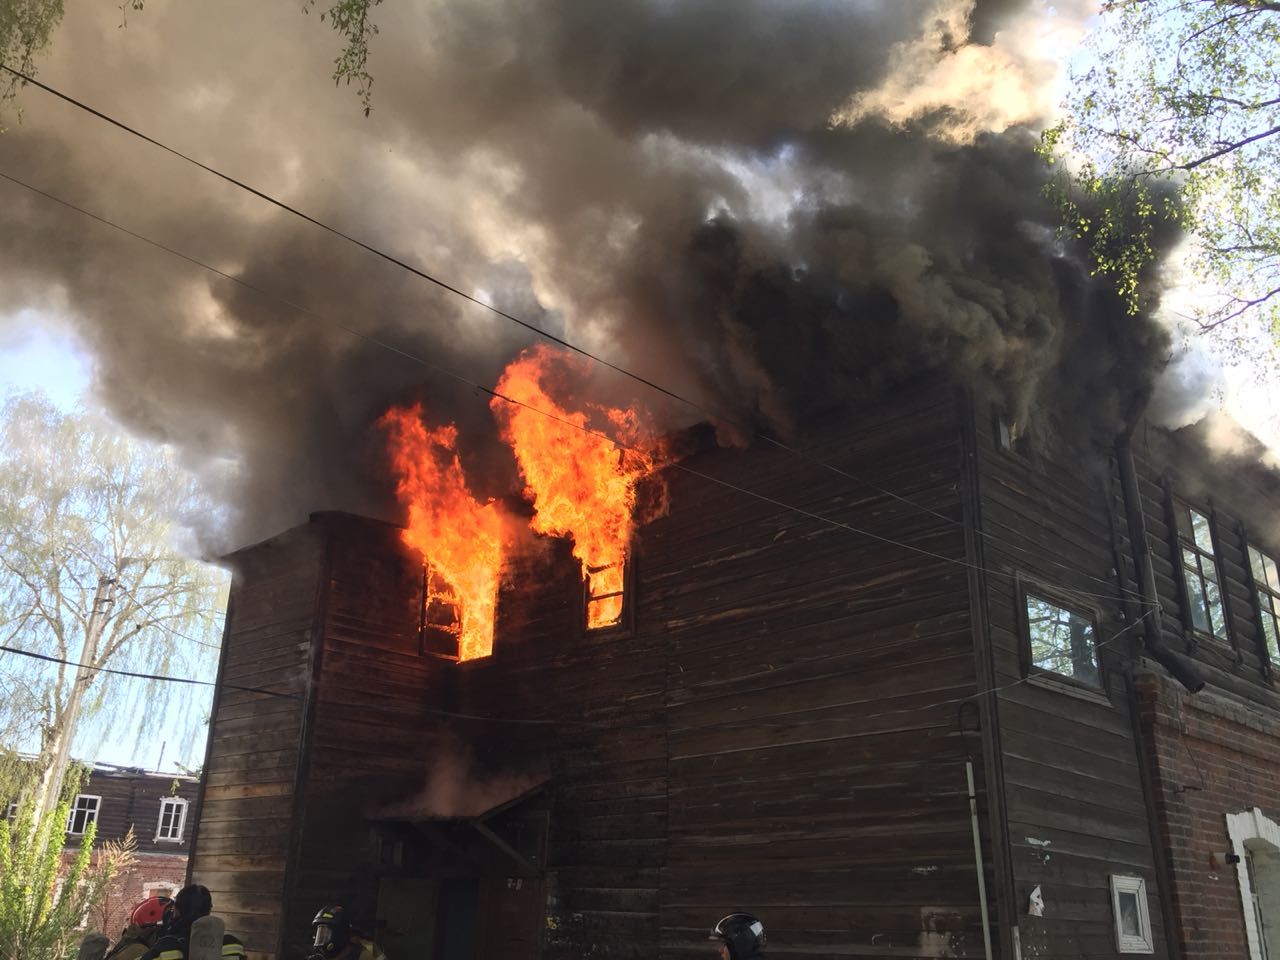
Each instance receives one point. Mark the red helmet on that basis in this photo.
(150, 912)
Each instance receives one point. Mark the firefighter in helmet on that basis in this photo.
(336, 939)
(145, 922)
(188, 905)
(740, 936)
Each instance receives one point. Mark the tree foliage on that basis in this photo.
(41, 912)
(351, 20)
(93, 572)
(25, 28)
(1184, 92)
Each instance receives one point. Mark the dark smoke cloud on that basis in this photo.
(685, 190)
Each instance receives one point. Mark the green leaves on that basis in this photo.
(1177, 117)
(25, 28)
(351, 20)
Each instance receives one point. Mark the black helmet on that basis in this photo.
(333, 930)
(189, 905)
(742, 933)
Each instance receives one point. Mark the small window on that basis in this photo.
(11, 812)
(606, 595)
(1129, 908)
(173, 817)
(1011, 436)
(1200, 572)
(83, 813)
(1266, 586)
(440, 626)
(1062, 641)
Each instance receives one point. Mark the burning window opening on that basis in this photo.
(606, 595)
(440, 618)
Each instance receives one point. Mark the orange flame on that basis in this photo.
(582, 485)
(460, 538)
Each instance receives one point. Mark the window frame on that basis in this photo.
(1144, 942)
(625, 622)
(1177, 504)
(1270, 657)
(183, 804)
(1028, 588)
(71, 814)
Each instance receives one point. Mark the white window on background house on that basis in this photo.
(1200, 571)
(83, 813)
(173, 817)
(1062, 641)
(1266, 585)
(1131, 914)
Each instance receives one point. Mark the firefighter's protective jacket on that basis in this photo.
(175, 948)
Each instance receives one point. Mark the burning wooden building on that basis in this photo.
(920, 687)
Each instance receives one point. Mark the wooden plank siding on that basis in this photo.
(1076, 809)
(241, 847)
(374, 721)
(777, 730)
(1241, 500)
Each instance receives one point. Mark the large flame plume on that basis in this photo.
(582, 485)
(461, 539)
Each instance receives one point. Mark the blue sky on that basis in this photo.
(38, 353)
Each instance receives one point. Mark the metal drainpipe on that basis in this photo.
(977, 860)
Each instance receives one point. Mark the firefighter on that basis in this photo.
(143, 930)
(740, 936)
(335, 939)
(189, 905)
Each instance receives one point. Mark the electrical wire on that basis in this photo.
(495, 394)
(424, 275)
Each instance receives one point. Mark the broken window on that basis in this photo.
(606, 595)
(1266, 587)
(1062, 641)
(83, 813)
(1200, 571)
(440, 624)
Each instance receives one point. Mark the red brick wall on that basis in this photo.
(1210, 756)
(128, 887)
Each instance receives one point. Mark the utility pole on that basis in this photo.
(51, 778)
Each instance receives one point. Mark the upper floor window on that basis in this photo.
(1200, 571)
(606, 592)
(1062, 641)
(1266, 585)
(83, 813)
(173, 817)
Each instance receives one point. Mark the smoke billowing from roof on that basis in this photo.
(771, 213)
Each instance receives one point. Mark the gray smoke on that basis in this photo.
(750, 204)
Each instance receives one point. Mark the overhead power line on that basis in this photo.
(368, 247)
(143, 676)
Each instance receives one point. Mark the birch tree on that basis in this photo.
(94, 576)
(1183, 93)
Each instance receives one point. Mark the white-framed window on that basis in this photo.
(1132, 917)
(1266, 587)
(1255, 840)
(158, 888)
(83, 812)
(11, 812)
(173, 817)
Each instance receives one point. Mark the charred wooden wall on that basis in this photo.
(777, 729)
(375, 703)
(1077, 812)
(241, 844)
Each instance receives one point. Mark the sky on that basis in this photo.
(764, 214)
(38, 353)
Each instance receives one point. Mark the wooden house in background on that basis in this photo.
(819, 653)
